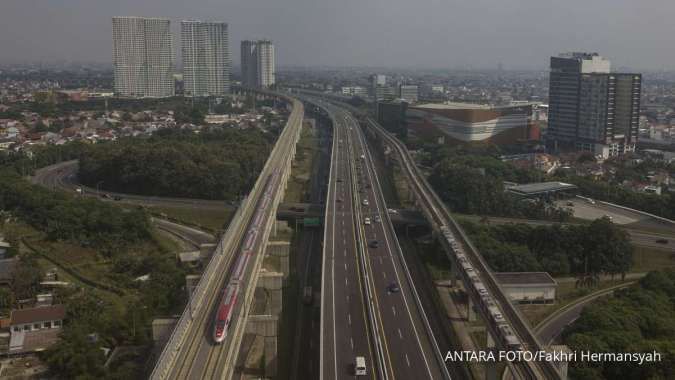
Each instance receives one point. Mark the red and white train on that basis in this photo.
(230, 295)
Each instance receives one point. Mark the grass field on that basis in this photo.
(306, 150)
(210, 220)
(648, 259)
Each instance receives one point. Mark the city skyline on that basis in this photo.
(521, 35)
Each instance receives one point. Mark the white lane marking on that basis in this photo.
(346, 282)
(393, 309)
(344, 253)
(351, 341)
(384, 274)
(348, 298)
(345, 266)
(380, 259)
(407, 360)
(400, 334)
(349, 319)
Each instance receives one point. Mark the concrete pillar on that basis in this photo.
(272, 283)
(280, 252)
(454, 274)
(265, 326)
(470, 312)
(562, 365)
(490, 366)
(206, 250)
(161, 329)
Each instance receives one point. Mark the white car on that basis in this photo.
(366, 221)
(365, 202)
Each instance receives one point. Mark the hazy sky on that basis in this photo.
(427, 33)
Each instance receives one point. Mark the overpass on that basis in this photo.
(190, 352)
(298, 211)
(506, 327)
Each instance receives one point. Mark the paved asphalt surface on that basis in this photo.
(637, 237)
(64, 176)
(551, 329)
(406, 346)
(344, 323)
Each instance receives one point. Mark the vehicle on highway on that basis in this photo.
(591, 201)
(377, 219)
(393, 288)
(608, 217)
(339, 179)
(78, 190)
(360, 366)
(339, 200)
(392, 211)
(363, 156)
(374, 244)
(571, 204)
(365, 202)
(117, 198)
(105, 196)
(662, 241)
(366, 221)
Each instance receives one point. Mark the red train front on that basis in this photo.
(225, 310)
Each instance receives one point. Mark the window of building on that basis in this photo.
(48, 325)
(36, 326)
(26, 328)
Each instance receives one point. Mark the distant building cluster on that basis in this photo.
(258, 67)
(143, 59)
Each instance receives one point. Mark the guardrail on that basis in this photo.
(228, 242)
(406, 270)
(439, 212)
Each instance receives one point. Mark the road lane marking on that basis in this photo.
(349, 319)
(393, 309)
(407, 360)
(400, 334)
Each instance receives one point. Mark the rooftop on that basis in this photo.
(38, 314)
(524, 278)
(540, 188)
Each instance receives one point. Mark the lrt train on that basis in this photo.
(487, 304)
(230, 294)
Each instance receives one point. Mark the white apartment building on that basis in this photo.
(206, 58)
(143, 57)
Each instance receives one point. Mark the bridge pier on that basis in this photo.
(279, 251)
(454, 274)
(562, 365)
(266, 327)
(470, 311)
(490, 366)
(272, 283)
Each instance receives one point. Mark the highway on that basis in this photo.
(439, 216)
(64, 176)
(638, 237)
(401, 347)
(345, 331)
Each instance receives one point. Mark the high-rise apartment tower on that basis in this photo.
(258, 66)
(143, 57)
(206, 58)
